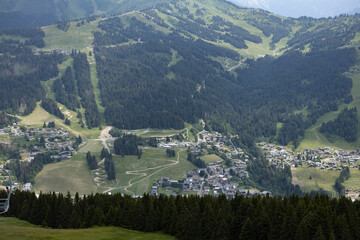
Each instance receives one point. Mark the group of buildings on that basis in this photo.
(325, 159)
(218, 177)
(39, 141)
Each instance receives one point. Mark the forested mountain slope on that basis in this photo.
(33, 13)
(240, 70)
(168, 65)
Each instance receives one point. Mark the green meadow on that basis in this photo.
(15, 229)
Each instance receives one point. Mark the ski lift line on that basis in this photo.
(5, 202)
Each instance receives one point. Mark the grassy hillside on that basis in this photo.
(136, 176)
(315, 139)
(39, 116)
(70, 175)
(313, 179)
(15, 229)
(24, 13)
(76, 37)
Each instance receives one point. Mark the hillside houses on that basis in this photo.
(41, 140)
(325, 158)
(214, 180)
(218, 177)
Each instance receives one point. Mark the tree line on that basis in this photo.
(51, 107)
(9, 152)
(26, 171)
(86, 89)
(6, 120)
(345, 125)
(198, 162)
(194, 217)
(65, 90)
(91, 160)
(22, 89)
(339, 187)
(127, 145)
(170, 152)
(108, 164)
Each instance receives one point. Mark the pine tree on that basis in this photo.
(247, 231)
(319, 235)
(74, 220)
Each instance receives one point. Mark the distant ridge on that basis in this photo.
(37, 13)
(354, 11)
(298, 8)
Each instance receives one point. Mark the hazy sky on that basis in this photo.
(297, 8)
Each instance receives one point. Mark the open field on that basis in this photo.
(154, 132)
(314, 139)
(134, 176)
(173, 172)
(210, 158)
(354, 181)
(319, 178)
(141, 173)
(39, 116)
(15, 229)
(79, 38)
(70, 175)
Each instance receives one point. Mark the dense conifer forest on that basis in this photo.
(21, 71)
(26, 171)
(127, 145)
(91, 160)
(108, 164)
(6, 120)
(85, 89)
(345, 125)
(193, 217)
(65, 90)
(51, 107)
(142, 87)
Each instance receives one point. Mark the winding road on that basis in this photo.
(140, 173)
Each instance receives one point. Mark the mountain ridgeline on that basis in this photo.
(154, 72)
(36, 13)
(240, 70)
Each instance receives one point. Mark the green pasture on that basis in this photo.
(324, 179)
(79, 38)
(354, 181)
(210, 158)
(39, 116)
(15, 229)
(69, 175)
(153, 163)
(314, 139)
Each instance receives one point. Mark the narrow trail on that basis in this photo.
(274, 52)
(228, 68)
(49, 90)
(234, 146)
(104, 136)
(100, 183)
(315, 132)
(143, 176)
